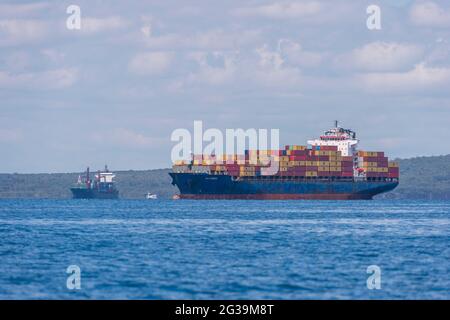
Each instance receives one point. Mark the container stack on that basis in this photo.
(376, 165)
(330, 162)
(300, 161)
(393, 169)
(293, 161)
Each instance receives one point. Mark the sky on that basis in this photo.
(114, 90)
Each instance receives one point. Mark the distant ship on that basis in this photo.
(328, 168)
(101, 188)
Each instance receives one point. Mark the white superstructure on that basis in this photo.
(344, 139)
(105, 176)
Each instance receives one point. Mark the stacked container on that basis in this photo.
(294, 161)
(393, 170)
(375, 165)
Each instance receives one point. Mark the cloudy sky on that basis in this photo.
(113, 91)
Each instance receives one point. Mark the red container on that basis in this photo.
(347, 174)
(329, 148)
(297, 174)
(297, 158)
(394, 170)
(299, 152)
(375, 159)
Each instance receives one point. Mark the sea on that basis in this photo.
(233, 249)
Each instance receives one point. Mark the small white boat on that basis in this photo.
(151, 196)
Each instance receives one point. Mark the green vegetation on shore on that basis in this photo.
(131, 184)
(420, 178)
(423, 178)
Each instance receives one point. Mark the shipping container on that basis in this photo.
(393, 164)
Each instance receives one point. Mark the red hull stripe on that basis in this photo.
(284, 196)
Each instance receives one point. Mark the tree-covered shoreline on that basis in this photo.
(420, 178)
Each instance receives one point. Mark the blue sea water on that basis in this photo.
(224, 249)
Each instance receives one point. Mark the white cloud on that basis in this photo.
(53, 55)
(26, 9)
(47, 80)
(231, 69)
(151, 63)
(429, 14)
(146, 31)
(421, 77)
(213, 74)
(271, 70)
(213, 69)
(269, 59)
(59, 78)
(97, 25)
(206, 40)
(125, 138)
(295, 54)
(282, 10)
(381, 56)
(440, 54)
(20, 31)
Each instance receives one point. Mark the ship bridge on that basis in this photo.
(344, 139)
(106, 176)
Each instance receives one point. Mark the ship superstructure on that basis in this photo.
(344, 139)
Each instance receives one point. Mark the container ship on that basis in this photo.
(101, 188)
(328, 168)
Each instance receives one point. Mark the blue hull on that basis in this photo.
(205, 186)
(83, 193)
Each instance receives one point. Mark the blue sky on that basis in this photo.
(113, 91)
